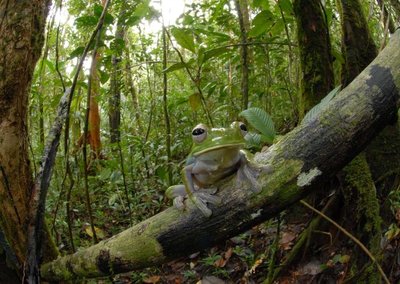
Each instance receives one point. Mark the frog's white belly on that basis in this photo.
(215, 165)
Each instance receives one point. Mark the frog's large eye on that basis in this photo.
(199, 133)
(243, 128)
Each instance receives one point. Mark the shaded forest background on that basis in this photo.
(140, 92)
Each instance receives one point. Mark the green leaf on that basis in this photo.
(77, 52)
(142, 9)
(200, 55)
(286, 6)
(104, 76)
(195, 101)
(86, 21)
(184, 38)
(215, 52)
(261, 4)
(98, 9)
(277, 28)
(253, 139)
(174, 67)
(261, 121)
(133, 20)
(50, 65)
(261, 23)
(314, 112)
(118, 45)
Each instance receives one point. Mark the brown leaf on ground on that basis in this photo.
(223, 260)
(286, 240)
(152, 279)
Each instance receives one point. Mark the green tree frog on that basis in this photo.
(216, 154)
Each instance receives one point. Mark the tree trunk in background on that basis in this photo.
(361, 210)
(358, 47)
(131, 89)
(114, 112)
(21, 39)
(93, 138)
(243, 15)
(165, 106)
(317, 78)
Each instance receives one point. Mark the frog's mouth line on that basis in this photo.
(232, 145)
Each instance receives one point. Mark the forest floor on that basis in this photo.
(262, 255)
(296, 247)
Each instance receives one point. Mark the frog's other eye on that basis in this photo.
(243, 128)
(199, 133)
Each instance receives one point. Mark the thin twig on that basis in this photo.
(348, 234)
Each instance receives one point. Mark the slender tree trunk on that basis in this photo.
(358, 47)
(130, 88)
(165, 107)
(21, 39)
(93, 135)
(114, 113)
(317, 77)
(243, 15)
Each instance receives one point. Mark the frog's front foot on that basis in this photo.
(200, 198)
(177, 193)
(248, 172)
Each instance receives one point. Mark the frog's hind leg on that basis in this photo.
(201, 198)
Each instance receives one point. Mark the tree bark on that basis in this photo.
(317, 78)
(299, 164)
(21, 39)
(358, 46)
(114, 102)
(243, 15)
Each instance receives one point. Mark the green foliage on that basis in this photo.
(261, 121)
(261, 23)
(184, 38)
(316, 110)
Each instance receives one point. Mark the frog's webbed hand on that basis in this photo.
(250, 172)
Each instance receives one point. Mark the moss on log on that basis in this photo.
(303, 160)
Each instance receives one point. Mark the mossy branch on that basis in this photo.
(299, 164)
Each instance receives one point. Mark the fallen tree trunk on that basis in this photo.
(299, 164)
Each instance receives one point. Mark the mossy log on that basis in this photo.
(299, 164)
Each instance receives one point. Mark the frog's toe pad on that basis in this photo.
(202, 206)
(201, 199)
(179, 202)
(209, 198)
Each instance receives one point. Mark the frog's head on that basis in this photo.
(207, 139)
